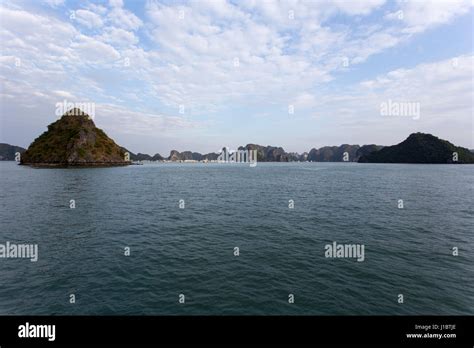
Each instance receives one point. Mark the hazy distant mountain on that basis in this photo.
(174, 156)
(304, 156)
(184, 156)
(210, 156)
(142, 156)
(137, 157)
(271, 154)
(421, 148)
(333, 153)
(157, 157)
(7, 151)
(293, 157)
(191, 156)
(268, 153)
(74, 140)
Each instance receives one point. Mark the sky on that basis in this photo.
(200, 75)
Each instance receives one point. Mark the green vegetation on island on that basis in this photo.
(74, 140)
(420, 148)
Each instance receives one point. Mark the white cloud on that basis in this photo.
(88, 19)
(419, 16)
(99, 9)
(358, 7)
(92, 51)
(190, 60)
(116, 3)
(124, 121)
(54, 3)
(33, 28)
(118, 37)
(443, 90)
(61, 94)
(273, 64)
(304, 101)
(124, 19)
(20, 98)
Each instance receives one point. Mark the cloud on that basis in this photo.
(99, 9)
(304, 101)
(124, 121)
(215, 56)
(36, 108)
(116, 3)
(450, 88)
(118, 37)
(251, 54)
(358, 7)
(61, 94)
(446, 106)
(94, 51)
(54, 3)
(124, 19)
(202, 43)
(419, 16)
(31, 28)
(88, 19)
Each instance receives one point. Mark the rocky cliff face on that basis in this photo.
(421, 148)
(74, 140)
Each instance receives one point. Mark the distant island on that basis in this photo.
(268, 154)
(417, 148)
(420, 148)
(74, 140)
(7, 151)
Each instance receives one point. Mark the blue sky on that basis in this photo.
(200, 75)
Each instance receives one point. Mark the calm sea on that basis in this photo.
(191, 250)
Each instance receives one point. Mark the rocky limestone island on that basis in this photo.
(74, 141)
(420, 148)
